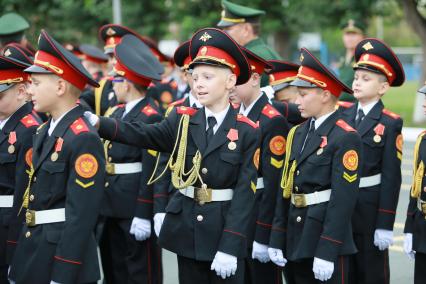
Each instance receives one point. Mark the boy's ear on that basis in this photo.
(231, 80)
(384, 87)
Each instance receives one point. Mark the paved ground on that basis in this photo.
(401, 269)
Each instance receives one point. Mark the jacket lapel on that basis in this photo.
(14, 120)
(371, 119)
(134, 112)
(255, 112)
(198, 129)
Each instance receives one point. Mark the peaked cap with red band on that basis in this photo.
(53, 58)
(374, 55)
(282, 74)
(257, 63)
(313, 74)
(136, 62)
(11, 72)
(92, 53)
(182, 57)
(211, 46)
(18, 52)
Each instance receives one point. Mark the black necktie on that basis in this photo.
(361, 116)
(211, 121)
(194, 105)
(309, 134)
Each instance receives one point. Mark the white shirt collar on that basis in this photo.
(3, 122)
(321, 119)
(220, 117)
(367, 108)
(53, 123)
(193, 100)
(130, 105)
(246, 110)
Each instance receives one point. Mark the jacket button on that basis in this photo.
(298, 219)
(298, 172)
(296, 188)
(28, 234)
(106, 184)
(204, 170)
(34, 179)
(31, 197)
(109, 159)
(200, 218)
(109, 146)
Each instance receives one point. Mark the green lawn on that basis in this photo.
(401, 101)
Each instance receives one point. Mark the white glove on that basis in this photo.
(260, 252)
(91, 117)
(277, 257)
(224, 264)
(322, 269)
(158, 222)
(141, 228)
(408, 246)
(383, 239)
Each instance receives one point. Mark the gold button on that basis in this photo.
(109, 146)
(109, 159)
(298, 219)
(34, 179)
(31, 197)
(204, 170)
(200, 218)
(27, 234)
(106, 184)
(296, 188)
(298, 172)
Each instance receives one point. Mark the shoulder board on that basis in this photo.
(29, 120)
(391, 114)
(270, 111)
(173, 84)
(149, 110)
(120, 105)
(178, 102)
(186, 110)
(342, 124)
(344, 104)
(79, 126)
(247, 120)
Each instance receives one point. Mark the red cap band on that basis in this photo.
(219, 56)
(378, 63)
(322, 81)
(11, 76)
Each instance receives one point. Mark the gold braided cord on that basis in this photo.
(288, 172)
(25, 198)
(418, 170)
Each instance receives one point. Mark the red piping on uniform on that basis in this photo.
(279, 229)
(235, 233)
(264, 224)
(145, 200)
(11, 242)
(149, 261)
(160, 195)
(332, 240)
(66, 260)
(387, 211)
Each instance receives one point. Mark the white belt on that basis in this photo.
(260, 183)
(370, 181)
(6, 201)
(44, 216)
(208, 194)
(123, 168)
(303, 200)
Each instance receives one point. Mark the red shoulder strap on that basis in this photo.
(345, 104)
(247, 120)
(270, 111)
(391, 114)
(186, 110)
(149, 110)
(29, 120)
(79, 126)
(342, 124)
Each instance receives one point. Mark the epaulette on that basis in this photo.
(29, 120)
(186, 110)
(391, 114)
(120, 105)
(342, 124)
(270, 111)
(344, 104)
(149, 110)
(79, 126)
(247, 120)
(178, 102)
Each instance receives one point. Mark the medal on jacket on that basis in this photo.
(232, 136)
(58, 148)
(323, 144)
(379, 130)
(12, 140)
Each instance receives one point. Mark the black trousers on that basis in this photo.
(192, 271)
(125, 260)
(257, 272)
(419, 268)
(303, 274)
(370, 265)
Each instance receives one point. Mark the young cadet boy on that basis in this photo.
(320, 179)
(128, 199)
(376, 70)
(268, 159)
(17, 126)
(66, 180)
(415, 224)
(212, 165)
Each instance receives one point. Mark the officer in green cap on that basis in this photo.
(12, 27)
(243, 25)
(353, 33)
